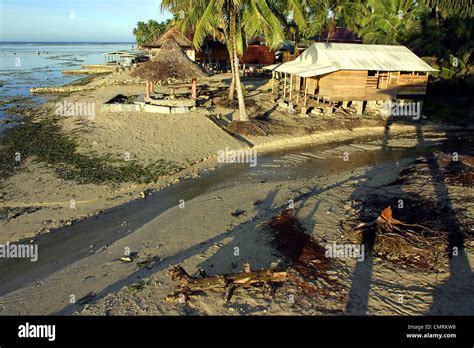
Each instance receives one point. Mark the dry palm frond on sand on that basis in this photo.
(396, 241)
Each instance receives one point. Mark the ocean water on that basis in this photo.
(21, 68)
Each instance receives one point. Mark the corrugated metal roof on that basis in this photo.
(322, 58)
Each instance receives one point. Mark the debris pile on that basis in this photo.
(396, 241)
(460, 172)
(431, 226)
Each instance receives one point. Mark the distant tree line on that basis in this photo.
(147, 32)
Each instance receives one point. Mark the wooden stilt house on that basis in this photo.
(342, 72)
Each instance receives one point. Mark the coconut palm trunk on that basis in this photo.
(332, 27)
(232, 82)
(243, 116)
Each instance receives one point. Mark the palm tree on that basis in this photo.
(330, 12)
(236, 20)
(149, 31)
(430, 31)
(387, 21)
(449, 39)
(300, 18)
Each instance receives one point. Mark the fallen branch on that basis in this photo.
(63, 89)
(189, 285)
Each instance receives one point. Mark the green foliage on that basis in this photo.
(386, 21)
(254, 17)
(453, 8)
(301, 19)
(447, 39)
(147, 32)
(432, 31)
(454, 111)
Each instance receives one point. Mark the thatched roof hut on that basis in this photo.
(173, 34)
(170, 62)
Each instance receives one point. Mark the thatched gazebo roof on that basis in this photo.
(173, 34)
(170, 62)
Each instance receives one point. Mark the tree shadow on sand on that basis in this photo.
(240, 231)
(452, 297)
(244, 236)
(358, 299)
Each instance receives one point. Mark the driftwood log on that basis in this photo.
(188, 285)
(98, 66)
(64, 89)
(87, 72)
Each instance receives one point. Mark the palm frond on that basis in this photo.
(453, 8)
(205, 24)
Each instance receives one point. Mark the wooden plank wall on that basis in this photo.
(412, 84)
(343, 85)
(312, 83)
(357, 85)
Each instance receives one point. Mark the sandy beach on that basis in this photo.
(36, 201)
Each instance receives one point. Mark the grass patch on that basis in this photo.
(449, 100)
(455, 111)
(44, 140)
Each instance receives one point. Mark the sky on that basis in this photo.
(75, 20)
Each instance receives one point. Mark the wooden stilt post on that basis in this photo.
(305, 91)
(273, 81)
(152, 87)
(194, 89)
(147, 89)
(291, 86)
(304, 108)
